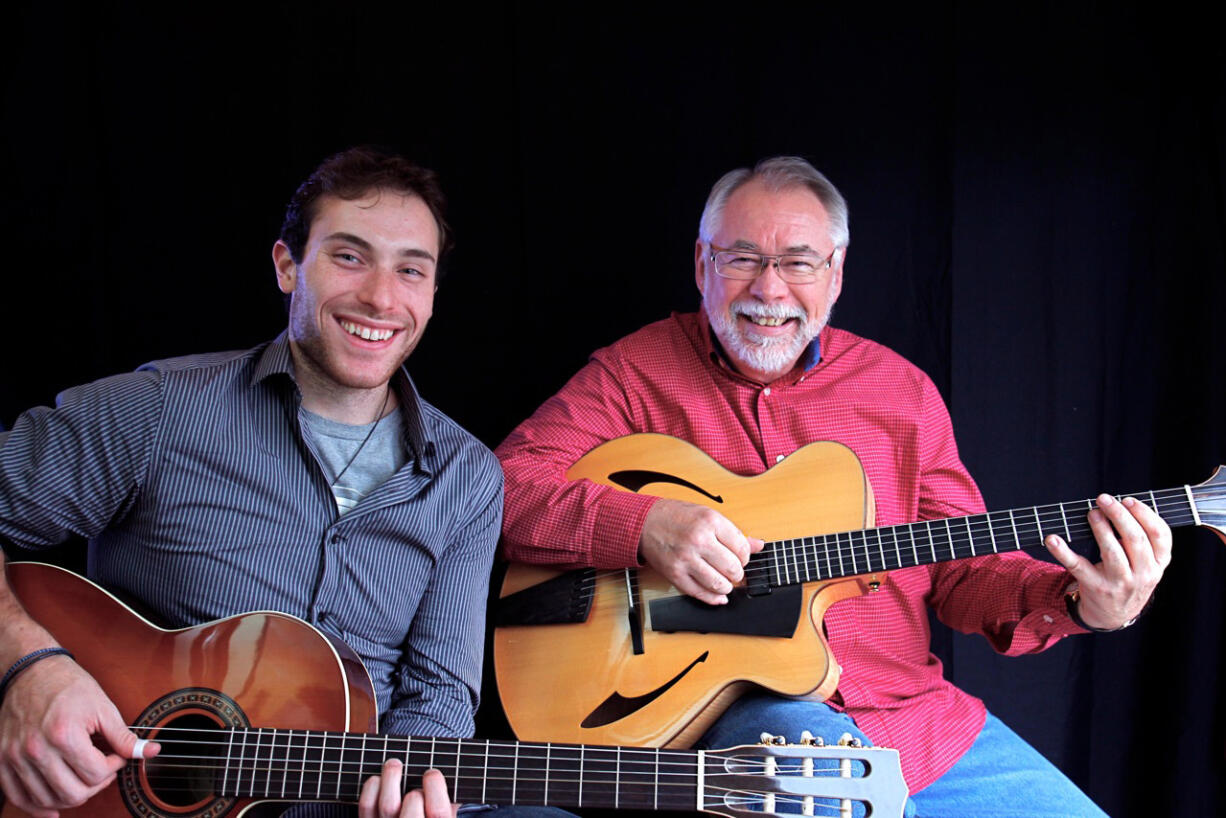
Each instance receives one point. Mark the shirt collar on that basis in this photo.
(277, 360)
(809, 358)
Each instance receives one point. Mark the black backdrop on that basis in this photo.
(1038, 220)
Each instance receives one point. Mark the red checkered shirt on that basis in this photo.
(670, 378)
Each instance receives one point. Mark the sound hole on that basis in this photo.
(193, 726)
(185, 772)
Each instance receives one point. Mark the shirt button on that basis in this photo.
(766, 391)
(337, 539)
(779, 458)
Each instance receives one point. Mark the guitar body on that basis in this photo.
(257, 669)
(589, 682)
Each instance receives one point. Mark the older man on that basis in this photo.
(304, 476)
(757, 374)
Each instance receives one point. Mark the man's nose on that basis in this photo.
(768, 285)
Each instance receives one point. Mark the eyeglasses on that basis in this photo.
(794, 268)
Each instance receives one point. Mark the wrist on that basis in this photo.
(19, 667)
(1072, 604)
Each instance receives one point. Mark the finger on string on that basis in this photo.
(389, 791)
(368, 797)
(1077, 565)
(1115, 559)
(1155, 527)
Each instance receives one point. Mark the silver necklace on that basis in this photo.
(365, 440)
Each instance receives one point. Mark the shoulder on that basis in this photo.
(851, 359)
(206, 366)
(660, 340)
(466, 460)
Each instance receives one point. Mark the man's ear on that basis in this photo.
(287, 269)
(699, 276)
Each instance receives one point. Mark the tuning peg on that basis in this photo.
(767, 738)
(807, 739)
(846, 740)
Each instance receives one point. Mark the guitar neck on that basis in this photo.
(848, 553)
(302, 765)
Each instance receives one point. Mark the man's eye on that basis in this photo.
(745, 262)
(413, 272)
(800, 266)
(348, 258)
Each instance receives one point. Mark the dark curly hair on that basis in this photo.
(353, 173)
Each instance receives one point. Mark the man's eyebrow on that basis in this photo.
(414, 252)
(363, 244)
(349, 238)
(743, 244)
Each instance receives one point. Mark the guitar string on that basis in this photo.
(1052, 518)
(564, 796)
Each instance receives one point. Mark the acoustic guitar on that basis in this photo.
(263, 707)
(621, 657)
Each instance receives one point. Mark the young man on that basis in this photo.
(753, 377)
(305, 476)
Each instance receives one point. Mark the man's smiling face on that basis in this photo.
(363, 292)
(764, 324)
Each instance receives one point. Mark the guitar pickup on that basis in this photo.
(776, 614)
(564, 600)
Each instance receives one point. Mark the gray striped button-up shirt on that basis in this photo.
(202, 499)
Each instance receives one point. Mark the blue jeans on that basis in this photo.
(1000, 776)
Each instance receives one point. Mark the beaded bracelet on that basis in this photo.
(24, 662)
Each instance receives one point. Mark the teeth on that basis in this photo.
(366, 332)
(763, 321)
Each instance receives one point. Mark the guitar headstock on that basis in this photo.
(1210, 502)
(773, 778)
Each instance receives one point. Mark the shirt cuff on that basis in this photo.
(619, 524)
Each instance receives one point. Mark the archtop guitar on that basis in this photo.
(622, 657)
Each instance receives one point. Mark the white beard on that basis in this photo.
(773, 356)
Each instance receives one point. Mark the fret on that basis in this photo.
(679, 770)
(881, 551)
(225, 776)
(485, 772)
(318, 758)
(775, 563)
(581, 775)
(794, 570)
(1153, 501)
(991, 533)
(617, 779)
(289, 741)
(600, 775)
(459, 744)
(970, 536)
(914, 544)
(851, 549)
(949, 532)
(361, 763)
(810, 558)
(897, 551)
(838, 549)
(263, 763)
(655, 790)
(515, 775)
(1068, 536)
(1038, 524)
(637, 783)
(242, 764)
(1013, 523)
(531, 784)
(932, 546)
(340, 767)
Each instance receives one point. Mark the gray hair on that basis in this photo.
(778, 173)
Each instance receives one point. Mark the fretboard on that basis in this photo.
(314, 766)
(847, 553)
